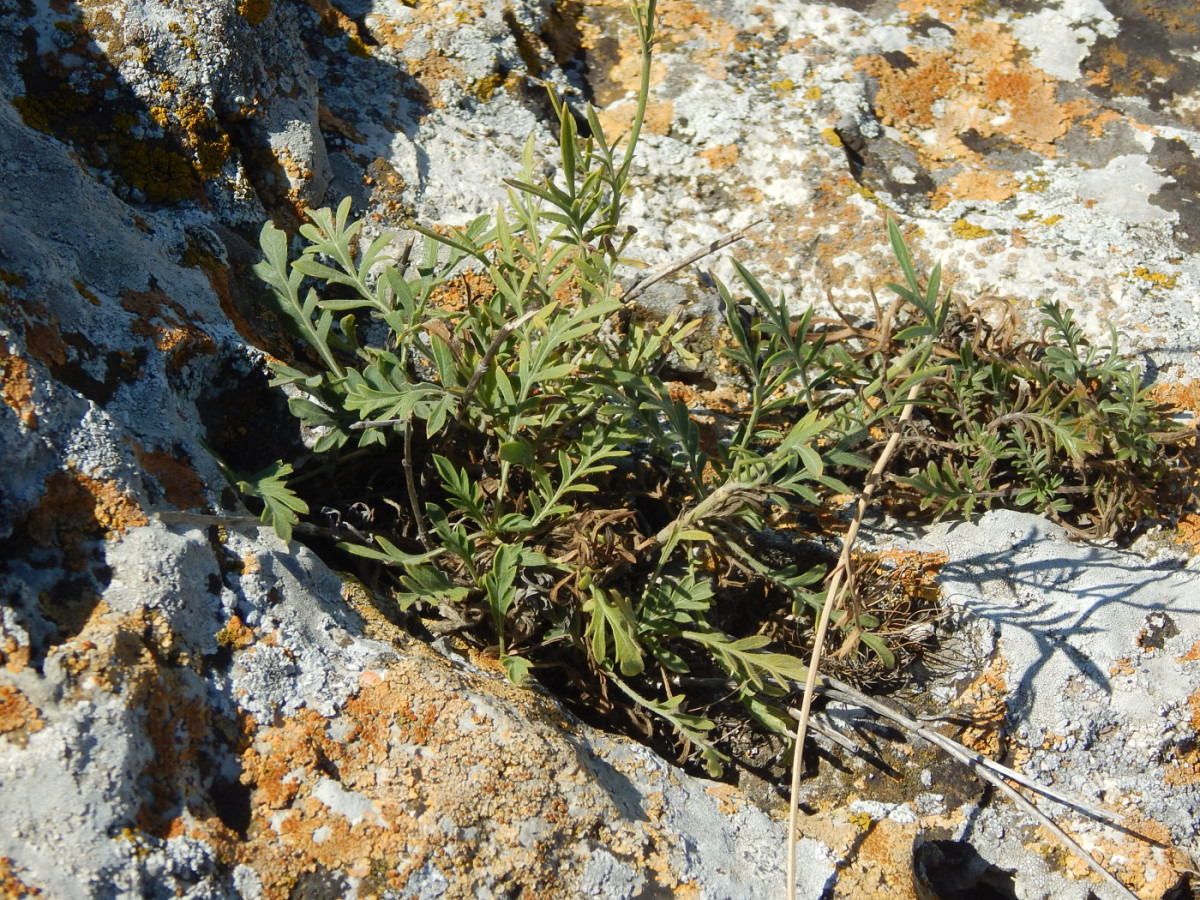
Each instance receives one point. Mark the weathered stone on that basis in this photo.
(1093, 655)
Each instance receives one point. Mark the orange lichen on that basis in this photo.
(876, 854)
(165, 322)
(467, 287)
(1127, 75)
(943, 10)
(618, 119)
(180, 483)
(981, 86)
(986, 700)
(1147, 870)
(44, 340)
(1194, 703)
(18, 717)
(1095, 125)
(15, 653)
(139, 657)
(11, 885)
(76, 506)
(729, 797)
(217, 275)
(1178, 395)
(915, 571)
(721, 157)
(884, 857)
(1184, 770)
(430, 71)
(330, 121)
(713, 38)
(1193, 655)
(16, 388)
(425, 767)
(235, 634)
(979, 184)
(1123, 666)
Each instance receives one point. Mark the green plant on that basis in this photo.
(534, 435)
(534, 480)
(1057, 425)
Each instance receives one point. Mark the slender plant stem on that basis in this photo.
(644, 15)
(659, 272)
(837, 690)
(833, 597)
(410, 483)
(986, 769)
(502, 334)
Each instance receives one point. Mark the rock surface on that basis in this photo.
(1090, 658)
(204, 712)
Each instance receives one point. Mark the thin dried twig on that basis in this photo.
(205, 519)
(838, 690)
(485, 361)
(833, 598)
(410, 482)
(991, 772)
(659, 272)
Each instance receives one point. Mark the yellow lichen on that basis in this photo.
(861, 819)
(44, 111)
(863, 191)
(1158, 279)
(968, 232)
(254, 11)
(86, 294)
(162, 175)
(831, 137)
(783, 86)
(484, 88)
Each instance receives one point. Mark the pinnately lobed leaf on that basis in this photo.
(521, 472)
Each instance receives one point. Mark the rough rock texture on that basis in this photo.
(197, 712)
(206, 713)
(1091, 676)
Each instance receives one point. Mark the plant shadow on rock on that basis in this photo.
(490, 424)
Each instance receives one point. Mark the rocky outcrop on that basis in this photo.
(188, 710)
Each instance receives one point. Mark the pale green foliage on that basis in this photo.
(1057, 425)
(531, 428)
(281, 506)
